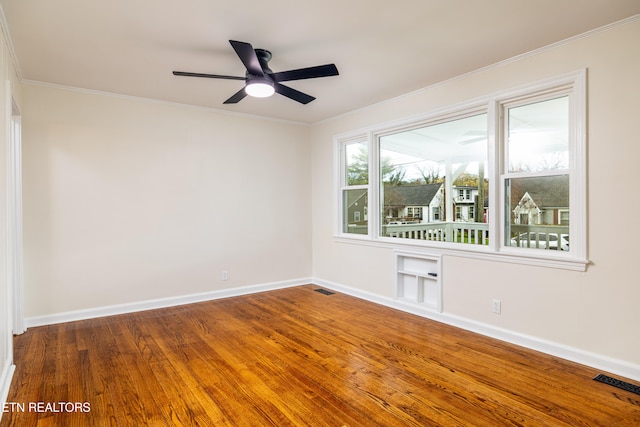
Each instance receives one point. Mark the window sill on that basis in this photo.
(511, 255)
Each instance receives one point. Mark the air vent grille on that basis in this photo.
(618, 383)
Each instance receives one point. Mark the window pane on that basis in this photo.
(356, 163)
(538, 212)
(538, 136)
(417, 169)
(355, 205)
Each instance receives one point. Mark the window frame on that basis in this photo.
(574, 84)
(462, 111)
(343, 185)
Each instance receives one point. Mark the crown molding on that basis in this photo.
(499, 64)
(4, 27)
(160, 102)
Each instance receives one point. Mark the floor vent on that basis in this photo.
(617, 383)
(324, 292)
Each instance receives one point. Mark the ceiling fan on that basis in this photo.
(260, 81)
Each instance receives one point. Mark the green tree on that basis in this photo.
(358, 169)
(466, 180)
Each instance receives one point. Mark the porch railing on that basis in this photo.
(462, 232)
(554, 237)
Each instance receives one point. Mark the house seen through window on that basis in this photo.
(433, 182)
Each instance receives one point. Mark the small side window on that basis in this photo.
(355, 187)
(537, 176)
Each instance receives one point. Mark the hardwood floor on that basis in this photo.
(296, 357)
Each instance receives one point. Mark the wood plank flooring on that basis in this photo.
(296, 357)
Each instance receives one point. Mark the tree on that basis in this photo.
(358, 169)
(466, 180)
(430, 174)
(395, 177)
(388, 169)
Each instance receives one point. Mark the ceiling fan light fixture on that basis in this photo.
(260, 88)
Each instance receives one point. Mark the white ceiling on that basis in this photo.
(382, 49)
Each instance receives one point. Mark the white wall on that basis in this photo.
(128, 200)
(594, 313)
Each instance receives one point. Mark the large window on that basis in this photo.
(501, 177)
(436, 169)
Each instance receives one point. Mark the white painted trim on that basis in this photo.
(4, 28)
(432, 260)
(470, 251)
(597, 361)
(340, 180)
(161, 102)
(15, 261)
(92, 313)
(5, 384)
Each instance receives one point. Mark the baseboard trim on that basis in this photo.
(92, 313)
(607, 364)
(611, 365)
(5, 384)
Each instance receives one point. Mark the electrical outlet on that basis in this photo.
(497, 306)
(225, 275)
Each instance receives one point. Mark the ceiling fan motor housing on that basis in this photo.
(264, 56)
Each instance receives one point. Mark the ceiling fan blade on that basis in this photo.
(290, 93)
(248, 56)
(237, 97)
(306, 73)
(210, 76)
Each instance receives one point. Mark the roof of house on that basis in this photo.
(546, 192)
(410, 195)
(353, 196)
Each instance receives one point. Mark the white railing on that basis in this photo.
(554, 237)
(464, 232)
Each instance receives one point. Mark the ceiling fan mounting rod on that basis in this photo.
(264, 56)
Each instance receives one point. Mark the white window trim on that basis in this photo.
(341, 181)
(577, 162)
(576, 259)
